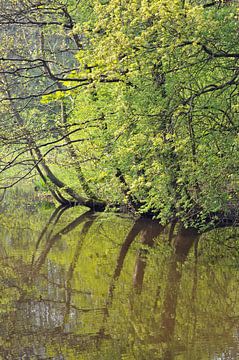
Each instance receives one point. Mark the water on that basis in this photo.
(78, 285)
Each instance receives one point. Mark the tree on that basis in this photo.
(143, 99)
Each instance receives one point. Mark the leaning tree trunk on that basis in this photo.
(50, 179)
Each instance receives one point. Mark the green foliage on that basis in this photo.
(151, 90)
(169, 119)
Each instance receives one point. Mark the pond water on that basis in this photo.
(81, 285)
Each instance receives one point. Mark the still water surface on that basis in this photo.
(79, 285)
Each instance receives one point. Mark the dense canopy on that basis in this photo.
(123, 105)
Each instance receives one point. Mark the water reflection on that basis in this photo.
(80, 285)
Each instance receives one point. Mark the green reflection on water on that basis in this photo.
(79, 285)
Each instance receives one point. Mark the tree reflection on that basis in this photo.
(184, 240)
(134, 289)
(151, 229)
(43, 317)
